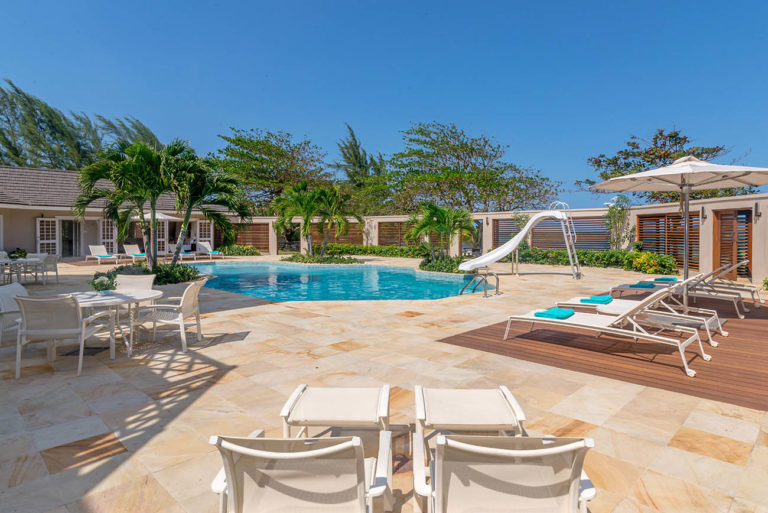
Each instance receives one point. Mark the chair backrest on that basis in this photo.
(204, 247)
(98, 249)
(170, 248)
(48, 315)
(189, 302)
(50, 262)
(8, 303)
(3, 255)
(277, 475)
(41, 256)
(131, 249)
(134, 281)
(526, 474)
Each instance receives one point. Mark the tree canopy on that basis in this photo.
(442, 164)
(270, 162)
(661, 150)
(35, 134)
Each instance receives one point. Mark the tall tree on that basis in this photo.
(442, 164)
(298, 201)
(270, 162)
(356, 163)
(198, 184)
(35, 134)
(444, 222)
(334, 211)
(661, 150)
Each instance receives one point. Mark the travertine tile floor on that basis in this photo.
(130, 435)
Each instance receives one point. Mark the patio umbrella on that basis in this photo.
(159, 216)
(684, 175)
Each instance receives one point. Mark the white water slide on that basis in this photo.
(511, 245)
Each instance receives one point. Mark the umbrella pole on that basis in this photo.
(686, 191)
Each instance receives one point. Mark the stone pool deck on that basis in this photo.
(130, 435)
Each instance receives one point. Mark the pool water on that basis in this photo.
(295, 282)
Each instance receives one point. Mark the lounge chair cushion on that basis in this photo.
(467, 409)
(597, 300)
(106, 256)
(555, 313)
(139, 254)
(331, 406)
(665, 278)
(642, 285)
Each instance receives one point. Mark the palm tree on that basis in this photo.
(298, 201)
(444, 222)
(198, 184)
(137, 179)
(334, 212)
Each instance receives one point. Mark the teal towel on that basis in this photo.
(139, 254)
(105, 256)
(642, 285)
(555, 313)
(665, 278)
(214, 252)
(597, 300)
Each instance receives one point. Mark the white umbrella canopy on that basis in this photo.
(159, 216)
(684, 175)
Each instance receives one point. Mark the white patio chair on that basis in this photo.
(54, 318)
(629, 324)
(50, 264)
(722, 283)
(99, 252)
(302, 475)
(134, 281)
(515, 474)
(9, 309)
(174, 314)
(182, 254)
(204, 248)
(133, 252)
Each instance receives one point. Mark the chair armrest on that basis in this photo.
(418, 394)
(156, 306)
(97, 315)
(516, 409)
(292, 400)
(587, 489)
(219, 483)
(420, 485)
(383, 408)
(383, 471)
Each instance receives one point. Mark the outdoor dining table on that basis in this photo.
(115, 299)
(15, 265)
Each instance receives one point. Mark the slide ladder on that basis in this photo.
(569, 236)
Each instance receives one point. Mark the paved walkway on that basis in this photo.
(131, 434)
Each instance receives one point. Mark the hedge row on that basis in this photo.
(420, 251)
(641, 261)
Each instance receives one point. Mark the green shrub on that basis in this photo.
(444, 265)
(317, 259)
(420, 251)
(239, 250)
(18, 253)
(165, 274)
(765, 284)
(641, 261)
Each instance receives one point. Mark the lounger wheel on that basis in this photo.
(713, 343)
(691, 373)
(707, 357)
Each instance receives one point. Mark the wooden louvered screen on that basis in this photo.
(591, 233)
(354, 235)
(664, 233)
(393, 234)
(503, 230)
(733, 240)
(256, 235)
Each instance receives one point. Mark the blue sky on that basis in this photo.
(557, 82)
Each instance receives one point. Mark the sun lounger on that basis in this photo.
(721, 282)
(99, 253)
(204, 248)
(629, 324)
(304, 474)
(132, 251)
(493, 473)
(182, 254)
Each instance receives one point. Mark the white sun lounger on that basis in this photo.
(664, 311)
(629, 324)
(720, 282)
(99, 253)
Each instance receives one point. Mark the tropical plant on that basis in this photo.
(238, 250)
(137, 178)
(297, 201)
(617, 221)
(35, 134)
(445, 265)
(445, 223)
(417, 251)
(317, 259)
(356, 163)
(334, 212)
(165, 274)
(198, 184)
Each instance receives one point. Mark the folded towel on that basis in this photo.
(106, 256)
(555, 313)
(597, 300)
(214, 252)
(665, 278)
(642, 285)
(139, 254)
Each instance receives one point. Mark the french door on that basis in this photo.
(733, 240)
(108, 235)
(47, 235)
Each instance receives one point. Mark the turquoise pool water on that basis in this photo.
(295, 282)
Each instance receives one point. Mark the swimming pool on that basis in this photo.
(295, 282)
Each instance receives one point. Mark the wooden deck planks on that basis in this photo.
(737, 373)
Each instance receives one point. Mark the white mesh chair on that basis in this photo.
(174, 314)
(262, 475)
(50, 264)
(204, 248)
(9, 309)
(54, 318)
(99, 252)
(134, 281)
(515, 474)
(133, 252)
